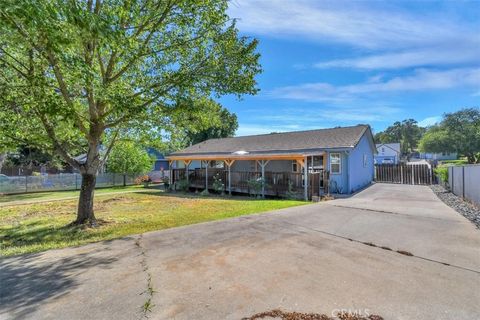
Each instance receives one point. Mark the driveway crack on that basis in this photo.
(403, 252)
(391, 212)
(147, 306)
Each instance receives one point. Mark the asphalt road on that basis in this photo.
(316, 258)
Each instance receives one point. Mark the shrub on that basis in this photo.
(145, 179)
(442, 173)
(290, 194)
(255, 186)
(182, 185)
(218, 184)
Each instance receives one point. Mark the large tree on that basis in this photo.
(79, 73)
(217, 123)
(457, 132)
(407, 132)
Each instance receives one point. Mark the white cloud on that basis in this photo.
(315, 117)
(351, 22)
(430, 121)
(394, 38)
(413, 58)
(420, 80)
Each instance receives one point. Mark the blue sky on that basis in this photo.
(339, 63)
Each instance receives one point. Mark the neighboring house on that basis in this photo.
(387, 153)
(161, 163)
(346, 153)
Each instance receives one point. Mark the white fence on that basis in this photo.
(464, 181)
(62, 181)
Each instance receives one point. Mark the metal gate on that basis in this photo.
(404, 173)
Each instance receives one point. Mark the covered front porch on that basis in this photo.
(287, 176)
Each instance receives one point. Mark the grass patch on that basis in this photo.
(42, 226)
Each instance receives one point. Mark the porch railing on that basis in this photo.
(281, 184)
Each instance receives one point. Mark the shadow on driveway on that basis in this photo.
(29, 280)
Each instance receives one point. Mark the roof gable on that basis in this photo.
(395, 146)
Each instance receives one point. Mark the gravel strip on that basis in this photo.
(466, 209)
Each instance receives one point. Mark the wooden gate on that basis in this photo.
(404, 174)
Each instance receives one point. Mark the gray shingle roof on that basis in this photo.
(286, 142)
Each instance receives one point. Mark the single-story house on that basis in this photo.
(308, 163)
(388, 153)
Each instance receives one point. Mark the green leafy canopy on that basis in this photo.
(457, 132)
(129, 157)
(80, 74)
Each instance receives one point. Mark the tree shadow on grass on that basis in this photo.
(39, 233)
(211, 196)
(29, 280)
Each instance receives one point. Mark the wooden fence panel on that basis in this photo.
(421, 174)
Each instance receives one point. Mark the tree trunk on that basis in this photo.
(3, 156)
(85, 213)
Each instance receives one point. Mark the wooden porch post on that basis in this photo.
(170, 172)
(262, 164)
(305, 183)
(187, 164)
(206, 175)
(229, 164)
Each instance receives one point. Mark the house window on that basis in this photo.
(383, 149)
(365, 160)
(335, 163)
(294, 166)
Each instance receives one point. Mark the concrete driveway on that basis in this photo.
(315, 258)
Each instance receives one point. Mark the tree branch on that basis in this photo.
(162, 18)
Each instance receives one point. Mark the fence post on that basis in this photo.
(76, 183)
(413, 174)
(26, 183)
(124, 179)
(451, 178)
(463, 182)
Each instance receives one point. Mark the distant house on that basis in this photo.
(387, 153)
(161, 163)
(288, 162)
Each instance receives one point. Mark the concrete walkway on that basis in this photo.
(314, 258)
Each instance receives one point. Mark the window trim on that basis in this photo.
(339, 162)
(294, 165)
(365, 160)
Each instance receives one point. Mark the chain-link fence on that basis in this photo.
(61, 181)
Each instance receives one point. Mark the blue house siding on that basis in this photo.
(361, 174)
(339, 181)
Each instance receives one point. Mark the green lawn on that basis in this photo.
(43, 226)
(52, 195)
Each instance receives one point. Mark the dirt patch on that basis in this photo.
(284, 315)
(114, 199)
